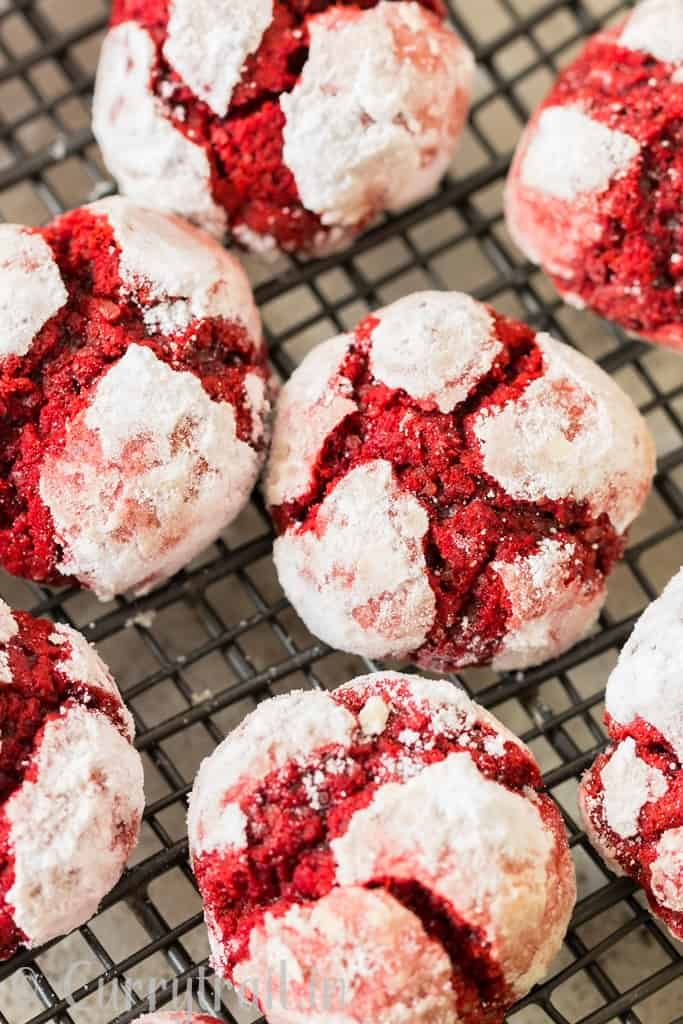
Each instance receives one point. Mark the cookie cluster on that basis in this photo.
(449, 488)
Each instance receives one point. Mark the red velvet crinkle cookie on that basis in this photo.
(289, 123)
(71, 782)
(133, 394)
(388, 845)
(632, 797)
(596, 188)
(452, 488)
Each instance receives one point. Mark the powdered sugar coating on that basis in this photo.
(82, 664)
(312, 403)
(208, 42)
(279, 730)
(383, 94)
(493, 856)
(572, 434)
(646, 684)
(127, 521)
(31, 288)
(629, 784)
(471, 410)
(565, 164)
(212, 110)
(656, 27)
(448, 707)
(667, 870)
(8, 626)
(486, 851)
(182, 273)
(630, 797)
(436, 346)
(366, 556)
(548, 615)
(140, 146)
(73, 826)
(597, 171)
(570, 154)
(258, 402)
(8, 629)
(379, 963)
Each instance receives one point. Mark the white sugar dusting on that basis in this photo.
(590, 808)
(385, 966)
(8, 629)
(647, 682)
(184, 274)
(313, 402)
(144, 485)
(667, 870)
(72, 829)
(31, 288)
(383, 96)
(572, 434)
(548, 613)
(359, 580)
(265, 246)
(168, 317)
(258, 401)
(409, 738)
(629, 783)
(153, 162)
(81, 663)
(316, 780)
(8, 624)
(284, 728)
(486, 851)
(495, 746)
(570, 154)
(656, 27)
(450, 711)
(208, 42)
(436, 346)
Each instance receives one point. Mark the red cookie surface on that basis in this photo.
(452, 488)
(632, 797)
(595, 192)
(387, 845)
(71, 785)
(133, 392)
(289, 123)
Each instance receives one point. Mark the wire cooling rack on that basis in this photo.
(194, 657)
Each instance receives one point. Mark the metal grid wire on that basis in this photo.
(194, 657)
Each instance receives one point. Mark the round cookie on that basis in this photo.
(134, 387)
(632, 797)
(597, 181)
(71, 782)
(451, 488)
(290, 126)
(388, 844)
